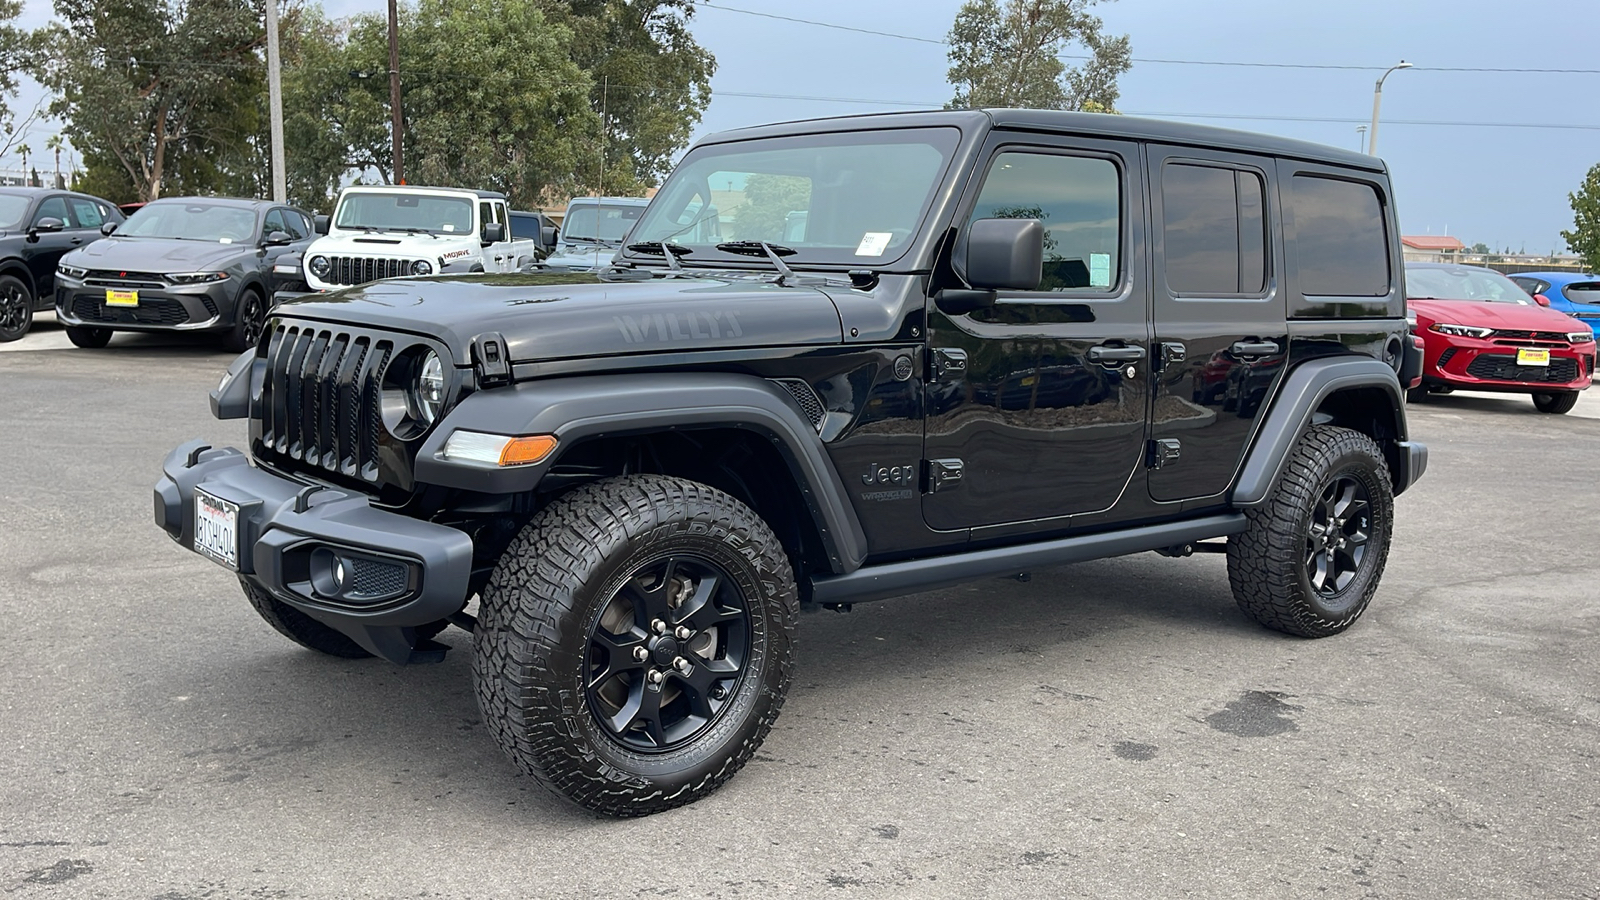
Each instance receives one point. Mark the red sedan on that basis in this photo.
(1481, 332)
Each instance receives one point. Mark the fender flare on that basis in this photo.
(578, 408)
(1303, 391)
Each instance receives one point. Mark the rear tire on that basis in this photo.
(299, 627)
(648, 566)
(1556, 403)
(88, 338)
(1310, 560)
(16, 309)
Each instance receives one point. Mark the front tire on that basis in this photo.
(16, 309)
(1556, 403)
(299, 627)
(633, 645)
(249, 319)
(1310, 560)
(88, 338)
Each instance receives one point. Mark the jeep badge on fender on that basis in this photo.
(927, 363)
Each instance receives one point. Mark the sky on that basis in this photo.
(1472, 153)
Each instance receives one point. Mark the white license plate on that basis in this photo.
(216, 529)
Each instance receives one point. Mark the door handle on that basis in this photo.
(1112, 357)
(76, 241)
(1253, 348)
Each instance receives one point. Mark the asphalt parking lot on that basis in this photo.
(1114, 729)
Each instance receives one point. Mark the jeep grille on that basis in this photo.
(362, 269)
(320, 403)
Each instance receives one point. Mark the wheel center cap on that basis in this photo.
(664, 650)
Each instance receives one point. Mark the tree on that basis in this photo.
(168, 92)
(768, 200)
(1584, 238)
(16, 46)
(1480, 247)
(1010, 55)
(55, 143)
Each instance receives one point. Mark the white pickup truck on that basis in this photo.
(388, 231)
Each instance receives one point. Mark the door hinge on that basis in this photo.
(946, 361)
(941, 475)
(1172, 353)
(1163, 451)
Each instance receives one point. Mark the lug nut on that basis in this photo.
(641, 654)
(683, 633)
(682, 665)
(658, 626)
(654, 676)
(719, 692)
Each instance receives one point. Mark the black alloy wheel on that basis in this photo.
(16, 308)
(1336, 536)
(667, 652)
(250, 319)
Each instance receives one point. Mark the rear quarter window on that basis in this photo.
(1341, 243)
(1582, 292)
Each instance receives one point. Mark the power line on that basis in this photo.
(1170, 62)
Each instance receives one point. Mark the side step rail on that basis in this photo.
(908, 577)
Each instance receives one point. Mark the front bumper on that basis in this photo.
(290, 532)
(1491, 365)
(198, 307)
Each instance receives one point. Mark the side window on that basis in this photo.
(1213, 230)
(274, 222)
(491, 212)
(1079, 201)
(53, 208)
(88, 213)
(296, 225)
(1341, 243)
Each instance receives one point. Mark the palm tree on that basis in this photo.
(24, 149)
(54, 143)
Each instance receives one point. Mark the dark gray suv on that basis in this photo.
(180, 264)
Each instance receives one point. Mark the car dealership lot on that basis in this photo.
(1114, 729)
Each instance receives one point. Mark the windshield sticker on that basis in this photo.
(1100, 270)
(873, 243)
(226, 240)
(448, 227)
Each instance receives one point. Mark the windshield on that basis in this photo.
(602, 222)
(405, 212)
(1463, 283)
(849, 198)
(12, 209)
(191, 221)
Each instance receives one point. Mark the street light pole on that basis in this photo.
(397, 124)
(1377, 97)
(280, 192)
(1361, 137)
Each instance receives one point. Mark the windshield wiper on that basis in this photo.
(665, 248)
(774, 252)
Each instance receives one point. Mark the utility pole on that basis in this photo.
(396, 125)
(280, 177)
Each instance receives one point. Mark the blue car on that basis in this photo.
(1576, 294)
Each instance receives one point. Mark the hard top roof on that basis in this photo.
(1061, 122)
(624, 201)
(481, 195)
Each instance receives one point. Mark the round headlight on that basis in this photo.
(429, 391)
(422, 267)
(320, 266)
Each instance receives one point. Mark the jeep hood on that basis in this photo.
(547, 316)
(387, 244)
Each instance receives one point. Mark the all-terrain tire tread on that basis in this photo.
(1265, 561)
(299, 627)
(547, 565)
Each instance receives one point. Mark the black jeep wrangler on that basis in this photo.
(839, 361)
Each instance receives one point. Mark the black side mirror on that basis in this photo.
(494, 233)
(277, 239)
(319, 224)
(46, 225)
(1005, 254)
(108, 228)
(548, 235)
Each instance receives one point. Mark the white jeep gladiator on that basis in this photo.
(388, 231)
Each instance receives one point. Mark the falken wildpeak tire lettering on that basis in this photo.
(1267, 562)
(531, 647)
(299, 627)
